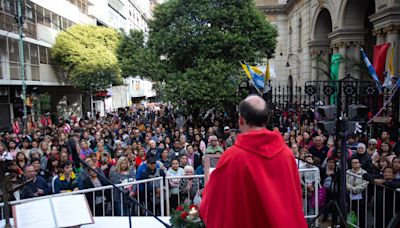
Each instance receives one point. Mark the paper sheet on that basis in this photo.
(36, 214)
(71, 210)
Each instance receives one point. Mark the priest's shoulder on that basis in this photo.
(233, 152)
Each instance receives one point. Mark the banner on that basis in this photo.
(334, 74)
(335, 62)
(380, 59)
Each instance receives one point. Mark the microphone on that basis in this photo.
(124, 192)
(71, 145)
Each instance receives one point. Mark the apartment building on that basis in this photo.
(43, 19)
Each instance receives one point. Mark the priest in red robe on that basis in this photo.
(256, 182)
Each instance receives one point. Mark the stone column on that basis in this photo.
(380, 36)
(353, 52)
(314, 64)
(342, 67)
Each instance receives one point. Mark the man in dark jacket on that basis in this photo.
(37, 185)
(151, 171)
(363, 157)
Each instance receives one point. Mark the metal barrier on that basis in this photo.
(114, 206)
(173, 200)
(377, 206)
(157, 195)
(310, 177)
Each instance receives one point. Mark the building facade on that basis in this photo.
(317, 28)
(43, 19)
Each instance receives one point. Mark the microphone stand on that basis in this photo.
(130, 199)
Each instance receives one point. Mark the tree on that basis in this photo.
(194, 48)
(86, 55)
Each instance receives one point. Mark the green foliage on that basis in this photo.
(134, 58)
(194, 48)
(87, 55)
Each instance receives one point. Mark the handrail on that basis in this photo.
(84, 191)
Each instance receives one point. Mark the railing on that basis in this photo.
(376, 208)
(310, 176)
(155, 194)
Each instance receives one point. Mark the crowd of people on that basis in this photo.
(134, 144)
(140, 143)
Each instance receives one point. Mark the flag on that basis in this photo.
(267, 72)
(371, 70)
(256, 70)
(388, 82)
(256, 76)
(334, 68)
(246, 70)
(390, 65)
(380, 59)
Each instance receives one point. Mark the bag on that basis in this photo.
(352, 219)
(197, 199)
(322, 191)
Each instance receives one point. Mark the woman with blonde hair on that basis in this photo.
(44, 151)
(123, 174)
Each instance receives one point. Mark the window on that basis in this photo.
(13, 50)
(300, 38)
(34, 54)
(40, 16)
(64, 23)
(47, 18)
(290, 39)
(43, 55)
(55, 21)
(10, 7)
(30, 15)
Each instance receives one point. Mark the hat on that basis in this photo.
(226, 128)
(151, 160)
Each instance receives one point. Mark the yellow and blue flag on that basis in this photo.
(257, 76)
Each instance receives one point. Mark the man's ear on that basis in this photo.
(241, 120)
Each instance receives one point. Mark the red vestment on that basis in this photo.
(255, 184)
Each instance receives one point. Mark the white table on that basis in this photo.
(107, 222)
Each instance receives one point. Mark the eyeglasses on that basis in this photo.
(371, 144)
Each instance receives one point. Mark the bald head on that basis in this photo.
(257, 102)
(254, 110)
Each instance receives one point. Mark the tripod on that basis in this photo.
(333, 201)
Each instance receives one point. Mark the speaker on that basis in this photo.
(328, 126)
(327, 112)
(357, 112)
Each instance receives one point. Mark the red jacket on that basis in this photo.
(256, 184)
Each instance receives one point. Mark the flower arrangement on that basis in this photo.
(186, 216)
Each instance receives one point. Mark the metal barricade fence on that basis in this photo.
(310, 177)
(176, 195)
(158, 196)
(114, 206)
(376, 206)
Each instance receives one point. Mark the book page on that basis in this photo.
(71, 210)
(35, 214)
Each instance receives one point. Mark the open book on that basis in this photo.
(60, 211)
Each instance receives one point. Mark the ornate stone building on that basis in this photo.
(308, 28)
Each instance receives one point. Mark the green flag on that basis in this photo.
(334, 71)
(335, 62)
